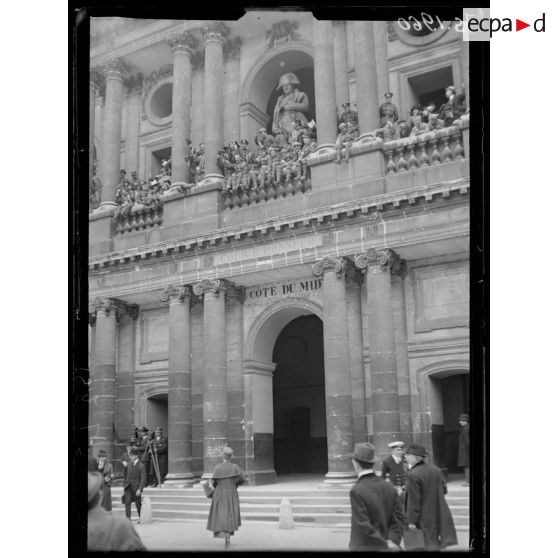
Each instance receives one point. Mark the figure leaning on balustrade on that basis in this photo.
(348, 133)
(292, 106)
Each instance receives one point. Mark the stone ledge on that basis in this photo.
(379, 202)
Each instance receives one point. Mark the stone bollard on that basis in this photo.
(146, 512)
(286, 520)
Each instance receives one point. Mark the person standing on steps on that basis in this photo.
(224, 514)
(134, 483)
(463, 448)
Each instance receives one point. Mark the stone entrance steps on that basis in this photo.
(310, 507)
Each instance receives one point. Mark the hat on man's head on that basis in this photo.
(365, 452)
(464, 416)
(102, 453)
(288, 78)
(227, 451)
(144, 429)
(451, 88)
(94, 484)
(244, 142)
(388, 94)
(159, 429)
(132, 440)
(135, 451)
(416, 449)
(396, 445)
(346, 104)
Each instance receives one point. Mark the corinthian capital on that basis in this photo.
(215, 31)
(385, 259)
(134, 83)
(115, 69)
(113, 306)
(183, 42)
(217, 286)
(175, 292)
(329, 263)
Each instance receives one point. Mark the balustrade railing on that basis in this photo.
(424, 150)
(139, 218)
(265, 191)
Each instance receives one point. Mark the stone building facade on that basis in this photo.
(288, 324)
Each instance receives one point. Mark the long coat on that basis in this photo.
(162, 448)
(224, 514)
(376, 514)
(135, 476)
(105, 532)
(427, 508)
(463, 449)
(107, 474)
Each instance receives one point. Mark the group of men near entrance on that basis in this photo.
(408, 496)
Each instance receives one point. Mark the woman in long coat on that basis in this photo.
(106, 471)
(224, 514)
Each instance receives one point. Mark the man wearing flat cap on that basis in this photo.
(463, 447)
(426, 504)
(105, 532)
(394, 468)
(377, 517)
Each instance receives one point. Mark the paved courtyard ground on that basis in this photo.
(253, 536)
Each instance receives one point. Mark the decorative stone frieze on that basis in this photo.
(385, 259)
(117, 68)
(281, 32)
(155, 77)
(178, 292)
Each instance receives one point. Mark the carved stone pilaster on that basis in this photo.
(134, 83)
(231, 48)
(183, 42)
(178, 292)
(330, 263)
(385, 259)
(115, 69)
(215, 31)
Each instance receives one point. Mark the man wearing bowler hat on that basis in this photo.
(426, 505)
(463, 447)
(377, 517)
(134, 483)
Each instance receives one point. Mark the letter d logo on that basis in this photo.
(539, 22)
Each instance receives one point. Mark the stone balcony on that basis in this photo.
(374, 167)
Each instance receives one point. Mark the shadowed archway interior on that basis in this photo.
(299, 414)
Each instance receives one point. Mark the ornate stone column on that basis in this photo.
(98, 129)
(380, 48)
(366, 77)
(114, 73)
(324, 81)
(339, 407)
(103, 391)
(381, 346)
(401, 355)
(181, 46)
(215, 415)
(214, 35)
(93, 90)
(180, 386)
(133, 112)
(231, 123)
(341, 71)
(125, 389)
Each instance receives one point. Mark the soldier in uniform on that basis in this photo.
(348, 115)
(388, 111)
(161, 448)
(394, 468)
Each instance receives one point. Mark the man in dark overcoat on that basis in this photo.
(162, 449)
(463, 448)
(426, 505)
(377, 517)
(134, 483)
(394, 468)
(143, 443)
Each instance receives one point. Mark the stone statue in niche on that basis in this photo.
(291, 107)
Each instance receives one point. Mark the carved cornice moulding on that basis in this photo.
(309, 218)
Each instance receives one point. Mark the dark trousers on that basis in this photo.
(129, 497)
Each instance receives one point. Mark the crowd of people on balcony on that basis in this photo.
(282, 156)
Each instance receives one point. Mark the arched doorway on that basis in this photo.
(299, 414)
(449, 398)
(268, 338)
